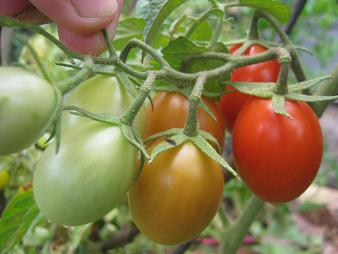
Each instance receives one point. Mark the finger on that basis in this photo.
(12, 7)
(79, 16)
(92, 44)
(32, 15)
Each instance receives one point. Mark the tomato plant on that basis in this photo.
(171, 111)
(177, 195)
(232, 103)
(88, 177)
(101, 94)
(24, 112)
(4, 178)
(276, 156)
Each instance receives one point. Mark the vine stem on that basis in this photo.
(296, 65)
(129, 116)
(191, 125)
(234, 235)
(285, 61)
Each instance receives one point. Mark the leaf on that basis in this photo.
(310, 98)
(126, 30)
(157, 12)
(128, 133)
(264, 90)
(278, 9)
(278, 105)
(165, 146)
(307, 84)
(16, 219)
(179, 49)
(208, 150)
(170, 132)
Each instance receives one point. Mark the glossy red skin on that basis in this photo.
(268, 71)
(277, 157)
(171, 111)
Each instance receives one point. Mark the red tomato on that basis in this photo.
(268, 71)
(171, 111)
(277, 157)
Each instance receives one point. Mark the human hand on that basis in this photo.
(79, 22)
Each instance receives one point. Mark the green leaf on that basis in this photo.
(210, 138)
(165, 145)
(128, 133)
(16, 219)
(208, 150)
(179, 49)
(307, 84)
(278, 105)
(310, 98)
(126, 30)
(263, 90)
(157, 12)
(170, 132)
(278, 9)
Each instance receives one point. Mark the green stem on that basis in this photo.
(67, 85)
(295, 65)
(36, 58)
(330, 87)
(111, 50)
(217, 32)
(253, 31)
(285, 61)
(200, 19)
(129, 116)
(233, 237)
(191, 125)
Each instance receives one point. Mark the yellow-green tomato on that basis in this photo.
(101, 94)
(177, 195)
(88, 177)
(27, 106)
(4, 178)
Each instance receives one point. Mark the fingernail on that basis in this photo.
(94, 8)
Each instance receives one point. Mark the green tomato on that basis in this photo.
(27, 106)
(4, 178)
(88, 177)
(101, 94)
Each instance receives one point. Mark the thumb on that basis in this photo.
(79, 16)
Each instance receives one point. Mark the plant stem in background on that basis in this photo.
(299, 6)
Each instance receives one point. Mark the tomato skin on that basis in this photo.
(171, 111)
(177, 195)
(101, 94)
(277, 157)
(27, 106)
(88, 177)
(268, 71)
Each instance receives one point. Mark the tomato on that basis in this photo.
(101, 94)
(268, 71)
(4, 178)
(277, 157)
(27, 107)
(177, 195)
(88, 177)
(171, 111)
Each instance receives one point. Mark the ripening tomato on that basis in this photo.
(27, 106)
(88, 177)
(277, 157)
(177, 195)
(268, 71)
(171, 111)
(101, 94)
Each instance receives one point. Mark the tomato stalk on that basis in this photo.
(191, 125)
(282, 82)
(129, 116)
(234, 235)
(253, 30)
